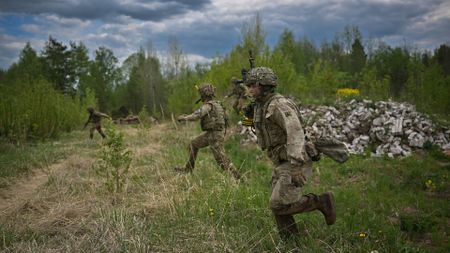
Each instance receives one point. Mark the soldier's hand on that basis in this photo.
(181, 118)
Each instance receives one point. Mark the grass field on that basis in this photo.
(53, 200)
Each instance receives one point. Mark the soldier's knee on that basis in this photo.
(275, 205)
(192, 147)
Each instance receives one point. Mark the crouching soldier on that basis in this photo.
(95, 118)
(239, 91)
(280, 133)
(212, 120)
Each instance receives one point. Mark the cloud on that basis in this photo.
(206, 28)
(103, 9)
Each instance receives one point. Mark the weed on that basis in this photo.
(115, 160)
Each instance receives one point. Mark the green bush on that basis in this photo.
(35, 111)
(115, 160)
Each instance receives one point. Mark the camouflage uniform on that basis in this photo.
(95, 118)
(212, 121)
(280, 133)
(240, 92)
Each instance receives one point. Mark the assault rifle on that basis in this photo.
(248, 110)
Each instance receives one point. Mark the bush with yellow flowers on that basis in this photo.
(348, 92)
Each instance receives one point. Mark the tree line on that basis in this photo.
(45, 93)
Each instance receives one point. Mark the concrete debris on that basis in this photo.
(247, 133)
(390, 128)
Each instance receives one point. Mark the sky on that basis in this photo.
(207, 28)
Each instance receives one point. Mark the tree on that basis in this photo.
(308, 55)
(442, 57)
(302, 53)
(79, 60)
(176, 60)
(145, 86)
(58, 70)
(393, 63)
(28, 70)
(333, 53)
(348, 37)
(103, 77)
(253, 37)
(357, 58)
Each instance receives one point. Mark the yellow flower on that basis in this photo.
(348, 92)
(362, 234)
(430, 185)
(211, 212)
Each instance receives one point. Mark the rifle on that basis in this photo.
(248, 110)
(251, 59)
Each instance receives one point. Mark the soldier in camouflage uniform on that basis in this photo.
(280, 133)
(212, 120)
(240, 92)
(95, 118)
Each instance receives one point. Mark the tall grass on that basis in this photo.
(38, 111)
(383, 205)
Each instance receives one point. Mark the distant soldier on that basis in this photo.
(240, 92)
(213, 122)
(95, 118)
(280, 133)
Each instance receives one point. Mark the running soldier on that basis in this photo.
(280, 133)
(213, 122)
(95, 118)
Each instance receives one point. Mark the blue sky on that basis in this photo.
(206, 28)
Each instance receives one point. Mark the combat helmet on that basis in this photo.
(262, 76)
(207, 90)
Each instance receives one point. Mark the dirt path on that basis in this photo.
(24, 188)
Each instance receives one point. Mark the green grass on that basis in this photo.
(383, 204)
(16, 161)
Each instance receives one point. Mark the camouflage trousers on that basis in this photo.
(98, 127)
(215, 140)
(287, 183)
(287, 197)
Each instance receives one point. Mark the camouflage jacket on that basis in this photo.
(239, 91)
(96, 117)
(211, 115)
(279, 130)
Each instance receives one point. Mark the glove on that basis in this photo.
(181, 118)
(247, 122)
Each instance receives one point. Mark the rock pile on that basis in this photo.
(394, 129)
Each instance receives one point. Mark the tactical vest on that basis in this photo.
(95, 117)
(215, 119)
(269, 134)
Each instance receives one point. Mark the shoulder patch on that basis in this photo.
(274, 104)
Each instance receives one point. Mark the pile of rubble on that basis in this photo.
(394, 129)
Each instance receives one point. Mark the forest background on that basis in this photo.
(46, 93)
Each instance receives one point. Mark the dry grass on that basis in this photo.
(69, 209)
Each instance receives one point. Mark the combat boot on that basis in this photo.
(327, 208)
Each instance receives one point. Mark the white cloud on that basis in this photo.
(205, 29)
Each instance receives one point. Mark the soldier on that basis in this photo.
(95, 118)
(240, 92)
(212, 120)
(279, 131)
